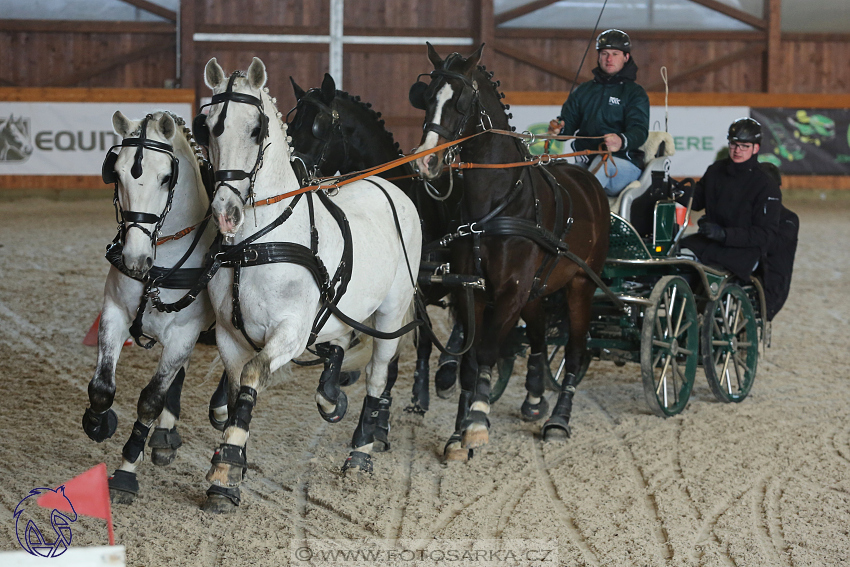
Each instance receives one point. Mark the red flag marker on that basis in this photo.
(89, 493)
(91, 337)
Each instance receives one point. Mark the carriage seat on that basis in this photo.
(657, 149)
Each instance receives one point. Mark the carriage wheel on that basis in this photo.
(729, 342)
(505, 367)
(669, 348)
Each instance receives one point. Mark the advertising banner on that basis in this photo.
(805, 141)
(699, 132)
(65, 138)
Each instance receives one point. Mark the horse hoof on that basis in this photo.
(163, 457)
(338, 412)
(121, 497)
(556, 428)
(448, 392)
(454, 452)
(100, 426)
(164, 444)
(349, 378)
(357, 462)
(221, 500)
(476, 435)
(533, 412)
(123, 487)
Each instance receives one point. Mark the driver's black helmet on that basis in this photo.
(614, 39)
(745, 130)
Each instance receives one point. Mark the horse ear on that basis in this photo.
(472, 61)
(167, 126)
(213, 73)
(257, 76)
(299, 92)
(433, 56)
(121, 124)
(328, 89)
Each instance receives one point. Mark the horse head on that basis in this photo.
(14, 137)
(145, 170)
(451, 101)
(237, 129)
(317, 137)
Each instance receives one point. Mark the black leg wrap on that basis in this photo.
(482, 386)
(329, 383)
(136, 443)
(535, 375)
(446, 377)
(558, 425)
(358, 460)
(172, 396)
(245, 403)
(463, 404)
(100, 426)
(421, 399)
(232, 494)
(219, 400)
(382, 426)
(124, 481)
(365, 431)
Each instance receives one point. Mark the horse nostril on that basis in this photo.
(149, 262)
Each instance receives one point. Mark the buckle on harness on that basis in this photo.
(468, 229)
(247, 259)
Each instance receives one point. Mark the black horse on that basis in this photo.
(333, 131)
(529, 231)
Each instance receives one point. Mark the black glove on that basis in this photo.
(712, 231)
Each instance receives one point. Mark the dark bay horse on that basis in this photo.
(527, 230)
(333, 131)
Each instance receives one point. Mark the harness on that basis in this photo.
(157, 277)
(324, 124)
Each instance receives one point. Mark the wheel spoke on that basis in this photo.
(673, 373)
(658, 330)
(725, 368)
(685, 351)
(657, 359)
(554, 353)
(684, 328)
(737, 374)
(671, 305)
(679, 318)
(662, 344)
(747, 344)
(717, 331)
(663, 380)
(717, 354)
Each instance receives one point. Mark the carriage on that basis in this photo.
(675, 314)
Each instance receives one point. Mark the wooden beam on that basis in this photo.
(95, 94)
(735, 13)
(269, 30)
(639, 35)
(522, 10)
(7, 82)
(188, 54)
(818, 37)
(169, 15)
(484, 26)
(77, 26)
(705, 68)
(78, 75)
(543, 65)
(773, 54)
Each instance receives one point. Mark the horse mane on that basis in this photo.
(373, 114)
(499, 94)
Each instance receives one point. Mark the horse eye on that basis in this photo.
(255, 133)
(166, 180)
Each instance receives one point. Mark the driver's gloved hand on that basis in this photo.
(712, 231)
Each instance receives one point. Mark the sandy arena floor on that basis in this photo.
(762, 483)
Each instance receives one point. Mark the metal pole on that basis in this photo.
(179, 77)
(335, 56)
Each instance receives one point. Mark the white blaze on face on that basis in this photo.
(443, 96)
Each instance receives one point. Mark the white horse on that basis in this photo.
(159, 191)
(14, 138)
(269, 317)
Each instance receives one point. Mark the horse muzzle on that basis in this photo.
(229, 219)
(430, 166)
(137, 266)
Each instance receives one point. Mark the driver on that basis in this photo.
(613, 106)
(742, 204)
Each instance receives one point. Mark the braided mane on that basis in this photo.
(376, 116)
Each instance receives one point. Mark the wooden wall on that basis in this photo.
(100, 54)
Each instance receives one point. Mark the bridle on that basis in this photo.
(324, 124)
(201, 131)
(109, 175)
(467, 105)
